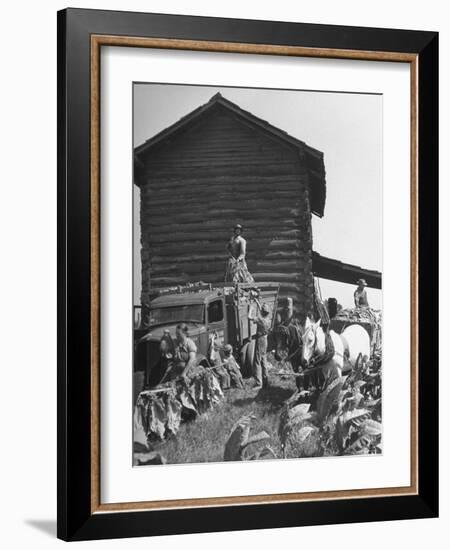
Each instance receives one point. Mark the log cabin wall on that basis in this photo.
(217, 171)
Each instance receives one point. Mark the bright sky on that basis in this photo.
(347, 128)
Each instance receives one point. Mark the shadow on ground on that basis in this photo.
(46, 526)
(274, 396)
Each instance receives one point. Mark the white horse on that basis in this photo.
(348, 346)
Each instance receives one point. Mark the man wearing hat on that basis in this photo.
(263, 325)
(360, 294)
(236, 270)
(286, 315)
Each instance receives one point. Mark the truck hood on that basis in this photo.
(156, 333)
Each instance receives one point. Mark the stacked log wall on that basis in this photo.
(219, 172)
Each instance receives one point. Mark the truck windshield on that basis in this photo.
(177, 314)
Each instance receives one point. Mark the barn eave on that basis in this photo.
(335, 270)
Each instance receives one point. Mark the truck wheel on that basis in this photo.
(247, 355)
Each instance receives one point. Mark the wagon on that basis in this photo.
(369, 319)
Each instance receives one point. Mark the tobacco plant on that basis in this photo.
(343, 419)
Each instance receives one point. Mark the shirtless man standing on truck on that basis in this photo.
(236, 270)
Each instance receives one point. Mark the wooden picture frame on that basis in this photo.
(81, 35)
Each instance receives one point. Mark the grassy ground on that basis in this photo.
(203, 440)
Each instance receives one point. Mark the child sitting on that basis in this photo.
(215, 362)
(232, 368)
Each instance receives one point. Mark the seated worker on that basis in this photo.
(184, 355)
(232, 368)
(216, 363)
(360, 294)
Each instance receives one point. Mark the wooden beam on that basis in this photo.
(334, 270)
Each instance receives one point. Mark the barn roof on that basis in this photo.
(312, 157)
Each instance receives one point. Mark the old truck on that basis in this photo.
(221, 308)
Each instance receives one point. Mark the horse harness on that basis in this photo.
(321, 359)
(330, 350)
(327, 355)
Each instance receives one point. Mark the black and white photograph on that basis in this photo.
(257, 274)
(228, 224)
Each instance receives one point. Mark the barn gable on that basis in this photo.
(217, 167)
(311, 158)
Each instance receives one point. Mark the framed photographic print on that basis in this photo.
(248, 302)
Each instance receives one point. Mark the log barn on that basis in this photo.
(218, 166)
